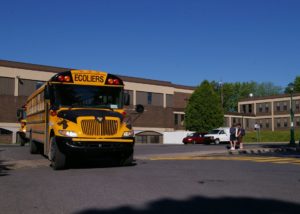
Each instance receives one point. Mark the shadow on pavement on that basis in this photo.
(87, 163)
(283, 149)
(198, 205)
(4, 168)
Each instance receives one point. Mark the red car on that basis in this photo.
(194, 138)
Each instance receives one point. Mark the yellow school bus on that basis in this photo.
(80, 112)
(21, 133)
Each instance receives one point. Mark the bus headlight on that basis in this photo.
(128, 134)
(67, 133)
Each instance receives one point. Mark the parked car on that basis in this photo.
(217, 136)
(194, 138)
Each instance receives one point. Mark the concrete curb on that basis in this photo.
(284, 150)
(291, 151)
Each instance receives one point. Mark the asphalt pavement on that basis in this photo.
(206, 180)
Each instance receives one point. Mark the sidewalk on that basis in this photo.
(270, 148)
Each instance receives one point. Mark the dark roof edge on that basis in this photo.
(45, 68)
(145, 81)
(184, 87)
(29, 66)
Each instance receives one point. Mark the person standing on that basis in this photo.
(240, 135)
(233, 137)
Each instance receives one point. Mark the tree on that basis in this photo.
(266, 89)
(296, 86)
(233, 92)
(204, 111)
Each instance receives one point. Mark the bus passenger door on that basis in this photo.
(47, 131)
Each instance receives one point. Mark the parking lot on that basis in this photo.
(154, 183)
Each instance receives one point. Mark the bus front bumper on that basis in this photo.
(85, 145)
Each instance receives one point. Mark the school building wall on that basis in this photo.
(164, 102)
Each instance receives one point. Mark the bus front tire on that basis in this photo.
(57, 158)
(20, 140)
(127, 160)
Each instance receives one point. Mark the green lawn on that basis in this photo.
(269, 136)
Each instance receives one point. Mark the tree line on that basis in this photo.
(207, 105)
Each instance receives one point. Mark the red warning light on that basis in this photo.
(116, 82)
(60, 78)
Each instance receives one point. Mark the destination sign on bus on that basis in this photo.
(89, 77)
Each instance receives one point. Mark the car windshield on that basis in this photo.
(190, 135)
(87, 96)
(214, 131)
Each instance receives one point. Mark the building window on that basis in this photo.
(285, 123)
(297, 106)
(244, 108)
(176, 119)
(267, 107)
(278, 124)
(154, 139)
(298, 122)
(7, 86)
(141, 139)
(278, 107)
(260, 109)
(170, 100)
(149, 98)
(261, 124)
(285, 106)
(182, 119)
(250, 108)
(267, 125)
(131, 98)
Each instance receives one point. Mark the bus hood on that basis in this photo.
(72, 115)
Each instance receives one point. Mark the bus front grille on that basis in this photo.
(96, 128)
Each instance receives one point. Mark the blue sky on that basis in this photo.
(182, 41)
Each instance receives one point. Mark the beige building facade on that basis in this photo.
(164, 103)
(270, 113)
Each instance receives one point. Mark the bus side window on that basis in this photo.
(47, 92)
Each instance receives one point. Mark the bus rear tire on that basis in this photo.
(58, 159)
(33, 147)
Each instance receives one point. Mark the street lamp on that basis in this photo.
(292, 131)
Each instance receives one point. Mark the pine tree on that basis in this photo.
(204, 111)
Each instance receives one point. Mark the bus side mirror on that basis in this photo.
(126, 99)
(20, 113)
(139, 108)
(47, 93)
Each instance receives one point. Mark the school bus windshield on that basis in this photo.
(77, 96)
